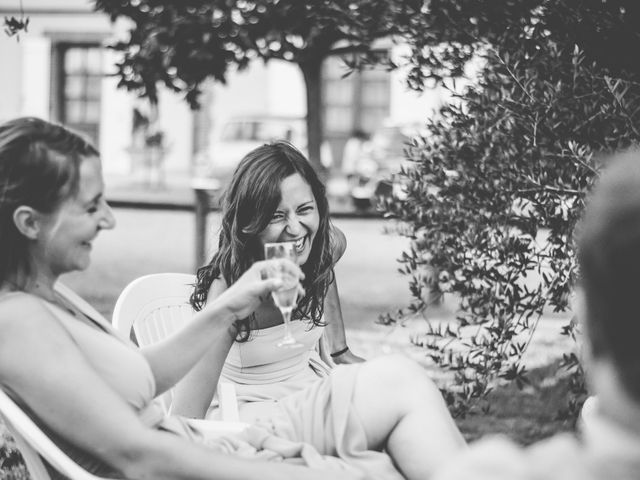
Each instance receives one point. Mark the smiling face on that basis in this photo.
(296, 218)
(65, 240)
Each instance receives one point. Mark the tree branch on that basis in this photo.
(349, 49)
(546, 188)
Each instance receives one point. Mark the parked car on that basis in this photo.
(239, 135)
(376, 171)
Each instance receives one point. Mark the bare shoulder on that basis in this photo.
(27, 329)
(21, 311)
(338, 243)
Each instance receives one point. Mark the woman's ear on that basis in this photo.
(27, 221)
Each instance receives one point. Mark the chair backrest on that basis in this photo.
(35, 445)
(155, 306)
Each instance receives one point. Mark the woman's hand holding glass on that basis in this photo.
(246, 294)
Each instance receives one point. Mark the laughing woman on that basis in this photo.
(355, 411)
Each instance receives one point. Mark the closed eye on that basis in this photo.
(277, 217)
(93, 208)
(94, 205)
(306, 208)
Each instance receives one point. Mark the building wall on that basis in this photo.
(275, 88)
(26, 82)
(286, 90)
(10, 84)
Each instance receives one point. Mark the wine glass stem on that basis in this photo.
(286, 316)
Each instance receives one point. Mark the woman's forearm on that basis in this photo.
(164, 456)
(171, 359)
(335, 334)
(193, 394)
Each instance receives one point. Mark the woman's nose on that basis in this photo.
(108, 221)
(294, 227)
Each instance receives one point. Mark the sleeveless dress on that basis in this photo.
(328, 441)
(293, 393)
(262, 371)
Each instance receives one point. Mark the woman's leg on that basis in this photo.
(403, 411)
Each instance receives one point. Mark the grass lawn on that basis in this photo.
(526, 415)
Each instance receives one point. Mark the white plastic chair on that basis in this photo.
(35, 445)
(157, 305)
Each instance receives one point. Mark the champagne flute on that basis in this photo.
(285, 298)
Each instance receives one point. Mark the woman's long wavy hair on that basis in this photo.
(249, 203)
(40, 168)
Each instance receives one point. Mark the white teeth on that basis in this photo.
(299, 243)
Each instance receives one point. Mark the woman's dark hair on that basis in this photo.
(251, 199)
(39, 167)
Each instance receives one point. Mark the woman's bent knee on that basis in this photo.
(400, 379)
(390, 388)
(400, 371)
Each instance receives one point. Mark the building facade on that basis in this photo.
(60, 70)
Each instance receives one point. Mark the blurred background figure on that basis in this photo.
(372, 163)
(354, 150)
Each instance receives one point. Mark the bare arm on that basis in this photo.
(193, 394)
(43, 366)
(172, 358)
(335, 335)
(211, 328)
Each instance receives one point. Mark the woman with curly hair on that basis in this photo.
(351, 411)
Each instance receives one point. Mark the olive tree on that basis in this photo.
(496, 186)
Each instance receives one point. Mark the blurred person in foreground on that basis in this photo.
(609, 444)
(385, 415)
(91, 390)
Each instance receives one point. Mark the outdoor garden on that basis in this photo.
(494, 190)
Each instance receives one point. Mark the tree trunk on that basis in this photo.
(312, 72)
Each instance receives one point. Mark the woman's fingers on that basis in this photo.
(285, 448)
(261, 439)
(278, 269)
(267, 268)
(268, 456)
(257, 283)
